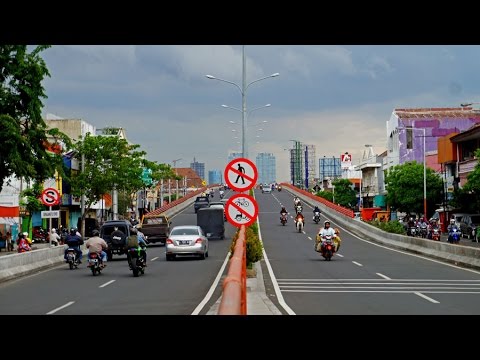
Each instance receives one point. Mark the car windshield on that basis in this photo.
(184, 231)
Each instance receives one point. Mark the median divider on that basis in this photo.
(466, 256)
(234, 295)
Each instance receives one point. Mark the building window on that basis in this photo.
(409, 138)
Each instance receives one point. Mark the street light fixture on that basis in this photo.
(243, 92)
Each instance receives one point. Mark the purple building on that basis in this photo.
(409, 129)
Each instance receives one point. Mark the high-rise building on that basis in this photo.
(302, 165)
(199, 168)
(215, 177)
(234, 155)
(266, 166)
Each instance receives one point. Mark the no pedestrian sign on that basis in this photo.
(241, 209)
(241, 174)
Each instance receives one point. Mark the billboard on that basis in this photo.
(345, 160)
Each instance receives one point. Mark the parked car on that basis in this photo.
(468, 224)
(186, 240)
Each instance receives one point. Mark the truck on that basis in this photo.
(156, 228)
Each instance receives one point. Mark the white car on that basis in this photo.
(266, 190)
(186, 240)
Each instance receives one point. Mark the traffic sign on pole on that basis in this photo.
(241, 209)
(50, 197)
(241, 174)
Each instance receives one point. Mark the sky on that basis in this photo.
(337, 98)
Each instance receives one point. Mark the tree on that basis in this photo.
(110, 162)
(344, 194)
(23, 132)
(404, 185)
(468, 198)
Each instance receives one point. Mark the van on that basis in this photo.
(212, 223)
(106, 230)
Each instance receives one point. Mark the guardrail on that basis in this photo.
(338, 208)
(234, 296)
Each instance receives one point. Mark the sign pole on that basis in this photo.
(50, 229)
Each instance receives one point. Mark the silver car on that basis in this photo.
(186, 240)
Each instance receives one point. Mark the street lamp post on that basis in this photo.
(176, 180)
(243, 91)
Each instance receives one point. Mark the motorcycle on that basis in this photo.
(436, 234)
(327, 247)
(221, 194)
(316, 217)
(283, 219)
(299, 225)
(137, 265)
(423, 230)
(279, 188)
(298, 208)
(95, 263)
(412, 231)
(454, 236)
(72, 259)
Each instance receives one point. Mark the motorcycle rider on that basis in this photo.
(296, 201)
(298, 217)
(135, 241)
(450, 229)
(283, 212)
(316, 210)
(221, 192)
(74, 241)
(22, 243)
(326, 230)
(54, 237)
(97, 245)
(432, 226)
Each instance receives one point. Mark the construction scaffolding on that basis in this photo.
(302, 165)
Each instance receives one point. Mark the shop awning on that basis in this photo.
(9, 211)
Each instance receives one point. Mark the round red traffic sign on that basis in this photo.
(241, 174)
(50, 197)
(241, 209)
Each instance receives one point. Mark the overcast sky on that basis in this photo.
(337, 98)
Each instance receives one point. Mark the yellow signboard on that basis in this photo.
(204, 182)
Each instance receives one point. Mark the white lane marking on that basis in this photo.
(278, 293)
(212, 288)
(107, 283)
(304, 232)
(410, 254)
(356, 263)
(340, 255)
(383, 276)
(427, 298)
(155, 258)
(309, 238)
(341, 286)
(383, 291)
(60, 308)
(375, 280)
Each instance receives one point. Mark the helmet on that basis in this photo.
(326, 222)
(54, 231)
(133, 230)
(73, 231)
(25, 234)
(283, 207)
(95, 232)
(452, 221)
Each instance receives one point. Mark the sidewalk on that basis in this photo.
(257, 301)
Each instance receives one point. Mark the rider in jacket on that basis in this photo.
(74, 241)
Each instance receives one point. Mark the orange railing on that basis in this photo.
(234, 296)
(340, 209)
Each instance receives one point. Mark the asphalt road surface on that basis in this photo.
(168, 288)
(363, 278)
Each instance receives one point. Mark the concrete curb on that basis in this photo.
(466, 256)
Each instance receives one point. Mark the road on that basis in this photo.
(363, 278)
(167, 288)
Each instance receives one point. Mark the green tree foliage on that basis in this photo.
(468, 198)
(23, 132)
(344, 194)
(110, 162)
(254, 251)
(405, 188)
(328, 195)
